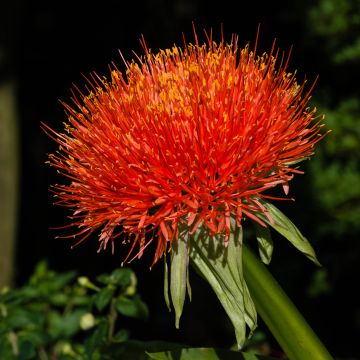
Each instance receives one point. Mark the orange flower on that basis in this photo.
(189, 136)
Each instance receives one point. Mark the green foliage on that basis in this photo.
(204, 354)
(159, 350)
(320, 284)
(63, 316)
(345, 124)
(66, 317)
(338, 21)
(335, 169)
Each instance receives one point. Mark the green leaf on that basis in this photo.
(122, 277)
(160, 350)
(119, 277)
(265, 243)
(282, 224)
(103, 297)
(23, 318)
(37, 337)
(26, 350)
(178, 274)
(67, 325)
(97, 338)
(121, 336)
(135, 350)
(41, 269)
(49, 282)
(132, 307)
(21, 296)
(205, 354)
(166, 284)
(222, 267)
(59, 299)
(320, 284)
(103, 279)
(5, 349)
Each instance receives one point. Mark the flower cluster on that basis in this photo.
(188, 136)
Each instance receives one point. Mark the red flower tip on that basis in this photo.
(191, 136)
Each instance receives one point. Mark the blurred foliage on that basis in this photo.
(62, 316)
(320, 284)
(65, 317)
(335, 169)
(159, 350)
(333, 30)
(338, 23)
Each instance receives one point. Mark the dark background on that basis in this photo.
(46, 46)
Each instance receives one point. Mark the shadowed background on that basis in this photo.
(47, 46)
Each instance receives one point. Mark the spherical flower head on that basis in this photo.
(189, 136)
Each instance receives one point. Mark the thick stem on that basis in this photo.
(285, 322)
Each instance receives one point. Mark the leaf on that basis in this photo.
(187, 354)
(265, 243)
(122, 276)
(97, 338)
(205, 354)
(121, 336)
(58, 282)
(119, 277)
(19, 318)
(26, 350)
(51, 282)
(319, 284)
(222, 268)
(135, 350)
(59, 299)
(166, 284)
(178, 275)
(64, 325)
(41, 269)
(37, 336)
(132, 307)
(6, 351)
(103, 279)
(103, 297)
(161, 350)
(283, 225)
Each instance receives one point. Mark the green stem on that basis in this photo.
(285, 322)
(112, 319)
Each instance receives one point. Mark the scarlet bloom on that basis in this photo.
(188, 136)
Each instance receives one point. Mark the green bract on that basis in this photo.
(221, 265)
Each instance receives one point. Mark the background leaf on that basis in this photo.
(205, 354)
(132, 307)
(136, 350)
(103, 297)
